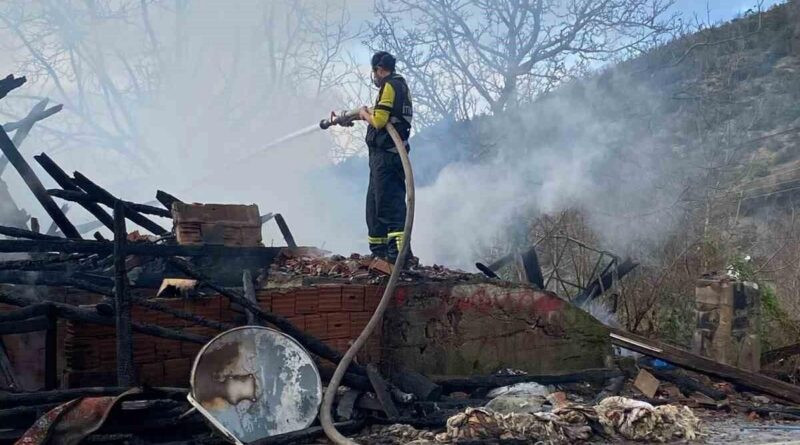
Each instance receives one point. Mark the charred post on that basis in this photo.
(125, 369)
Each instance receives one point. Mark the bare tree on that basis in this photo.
(111, 61)
(470, 56)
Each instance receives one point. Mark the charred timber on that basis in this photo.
(73, 313)
(604, 282)
(36, 187)
(10, 83)
(143, 249)
(103, 196)
(687, 384)
(8, 399)
(284, 228)
(122, 313)
(81, 197)
(688, 360)
(166, 199)
(66, 183)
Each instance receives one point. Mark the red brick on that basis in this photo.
(264, 299)
(284, 304)
(372, 297)
(330, 298)
(316, 325)
(358, 321)
(353, 298)
(299, 322)
(338, 325)
(177, 372)
(306, 301)
(152, 373)
(190, 350)
(168, 349)
(340, 344)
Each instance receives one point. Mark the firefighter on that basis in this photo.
(386, 195)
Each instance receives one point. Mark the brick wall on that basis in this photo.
(334, 313)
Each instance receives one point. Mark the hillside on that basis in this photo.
(685, 158)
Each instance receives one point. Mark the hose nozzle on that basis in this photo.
(344, 119)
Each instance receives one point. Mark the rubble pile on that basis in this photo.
(304, 262)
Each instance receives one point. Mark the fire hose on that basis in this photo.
(346, 119)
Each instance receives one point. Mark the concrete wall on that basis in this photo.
(466, 329)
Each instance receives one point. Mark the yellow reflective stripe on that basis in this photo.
(400, 239)
(380, 115)
(377, 240)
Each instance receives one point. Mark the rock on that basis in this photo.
(508, 404)
(761, 400)
(520, 389)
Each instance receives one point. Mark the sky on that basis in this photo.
(718, 10)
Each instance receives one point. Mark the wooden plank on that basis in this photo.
(284, 228)
(381, 390)
(36, 187)
(122, 309)
(688, 360)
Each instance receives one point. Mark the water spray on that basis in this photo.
(347, 119)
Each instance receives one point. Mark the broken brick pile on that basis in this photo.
(334, 313)
(356, 268)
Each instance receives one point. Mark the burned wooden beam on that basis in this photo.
(8, 399)
(284, 228)
(34, 324)
(36, 187)
(309, 342)
(103, 196)
(777, 354)
(122, 312)
(166, 199)
(24, 126)
(602, 283)
(53, 228)
(10, 83)
(66, 183)
(144, 249)
(382, 392)
(81, 197)
(694, 362)
(686, 384)
(22, 233)
(73, 313)
(530, 262)
(415, 383)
